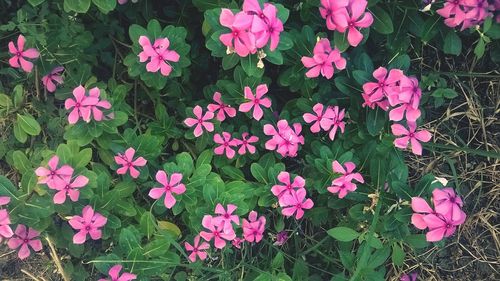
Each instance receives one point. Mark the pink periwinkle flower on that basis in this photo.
(351, 18)
(328, 8)
(96, 108)
(445, 200)
(129, 163)
(114, 274)
(4, 200)
(281, 238)
(344, 184)
(237, 242)
(48, 175)
(266, 26)
(294, 203)
(409, 277)
(255, 101)
(226, 217)
(240, 39)
(85, 106)
(323, 59)
(5, 230)
(216, 232)
(52, 78)
(411, 136)
(65, 186)
(377, 93)
(201, 121)
(287, 186)
(466, 12)
(197, 250)
(169, 186)
(20, 55)
(285, 139)
(331, 118)
(318, 120)
(253, 228)
(158, 54)
(408, 99)
(24, 239)
(220, 106)
(226, 144)
(246, 143)
(89, 223)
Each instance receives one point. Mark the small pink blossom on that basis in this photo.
(237, 242)
(4, 200)
(96, 108)
(89, 223)
(285, 139)
(281, 238)
(245, 143)
(408, 99)
(284, 177)
(216, 232)
(253, 228)
(351, 18)
(255, 101)
(323, 59)
(81, 105)
(19, 55)
(328, 8)
(173, 185)
(128, 163)
(66, 187)
(266, 26)
(5, 230)
(240, 39)
(377, 93)
(114, 274)
(226, 145)
(344, 185)
(221, 107)
(201, 121)
(47, 176)
(445, 200)
(52, 78)
(25, 239)
(409, 277)
(158, 54)
(295, 202)
(411, 136)
(226, 217)
(122, 2)
(440, 226)
(335, 117)
(317, 119)
(197, 250)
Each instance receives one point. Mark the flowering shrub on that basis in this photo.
(224, 139)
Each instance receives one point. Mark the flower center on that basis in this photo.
(160, 57)
(235, 33)
(52, 173)
(226, 216)
(200, 121)
(26, 240)
(129, 164)
(67, 187)
(351, 24)
(411, 135)
(77, 104)
(19, 54)
(87, 228)
(195, 249)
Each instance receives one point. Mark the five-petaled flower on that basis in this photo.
(66, 187)
(255, 101)
(245, 143)
(158, 54)
(239, 39)
(216, 232)
(220, 106)
(197, 250)
(351, 18)
(201, 121)
(5, 230)
(253, 228)
(226, 217)
(295, 202)
(89, 223)
(285, 139)
(323, 59)
(169, 186)
(47, 176)
(20, 55)
(52, 78)
(377, 93)
(284, 177)
(129, 163)
(24, 239)
(410, 135)
(114, 274)
(81, 105)
(344, 185)
(226, 144)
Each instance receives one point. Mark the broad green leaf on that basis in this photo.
(21, 162)
(342, 233)
(204, 158)
(105, 5)
(83, 158)
(185, 163)
(375, 121)
(398, 255)
(8, 189)
(79, 6)
(28, 124)
(258, 173)
(382, 21)
(147, 224)
(452, 43)
(35, 3)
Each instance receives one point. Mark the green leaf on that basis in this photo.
(8, 189)
(342, 233)
(398, 255)
(19, 134)
(35, 3)
(452, 43)
(340, 41)
(417, 241)
(258, 173)
(135, 31)
(105, 5)
(278, 260)
(21, 162)
(147, 224)
(124, 189)
(375, 121)
(28, 124)
(204, 158)
(79, 6)
(213, 188)
(230, 61)
(156, 248)
(249, 64)
(479, 49)
(444, 93)
(83, 158)
(185, 163)
(382, 21)
(233, 173)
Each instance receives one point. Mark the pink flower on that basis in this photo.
(409, 277)
(440, 225)
(328, 8)
(445, 200)
(66, 187)
(5, 230)
(266, 25)
(47, 176)
(114, 273)
(226, 217)
(217, 232)
(295, 202)
(81, 105)
(281, 238)
(323, 59)
(128, 163)
(173, 185)
(408, 99)
(25, 239)
(255, 101)
(318, 119)
(89, 223)
(376, 93)
(285, 139)
(221, 107)
(411, 135)
(351, 18)
(239, 39)
(200, 122)
(20, 55)
(237, 242)
(453, 12)
(197, 249)
(54, 76)
(347, 172)
(335, 118)
(245, 143)
(253, 228)
(226, 143)
(4, 200)
(159, 55)
(420, 208)
(96, 112)
(287, 187)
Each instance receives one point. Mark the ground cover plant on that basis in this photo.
(233, 140)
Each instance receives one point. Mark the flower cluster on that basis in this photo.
(441, 221)
(467, 13)
(323, 59)
(347, 16)
(86, 106)
(329, 119)
(158, 55)
(285, 139)
(251, 29)
(344, 185)
(292, 195)
(227, 142)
